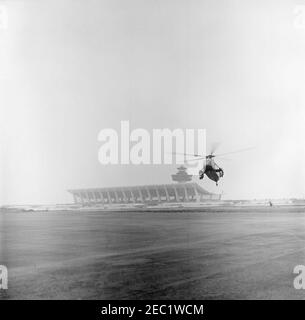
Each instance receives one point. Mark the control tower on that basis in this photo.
(182, 176)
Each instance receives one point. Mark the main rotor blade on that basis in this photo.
(188, 154)
(197, 159)
(236, 151)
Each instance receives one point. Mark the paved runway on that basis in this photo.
(239, 253)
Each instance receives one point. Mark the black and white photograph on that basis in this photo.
(152, 150)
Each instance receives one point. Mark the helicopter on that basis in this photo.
(210, 168)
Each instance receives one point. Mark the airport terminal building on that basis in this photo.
(183, 190)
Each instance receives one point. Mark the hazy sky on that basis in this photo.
(70, 68)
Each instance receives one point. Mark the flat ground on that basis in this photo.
(239, 253)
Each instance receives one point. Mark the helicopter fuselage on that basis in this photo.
(212, 171)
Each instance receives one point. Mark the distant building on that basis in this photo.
(183, 191)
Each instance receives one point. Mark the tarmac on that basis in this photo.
(217, 253)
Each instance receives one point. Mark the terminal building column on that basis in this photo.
(81, 197)
(101, 196)
(108, 197)
(167, 194)
(158, 194)
(132, 196)
(149, 194)
(91, 193)
(116, 196)
(176, 194)
(124, 196)
(87, 197)
(141, 195)
(94, 197)
(196, 194)
(186, 198)
(75, 198)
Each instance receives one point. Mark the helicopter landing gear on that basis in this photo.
(201, 174)
(220, 171)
